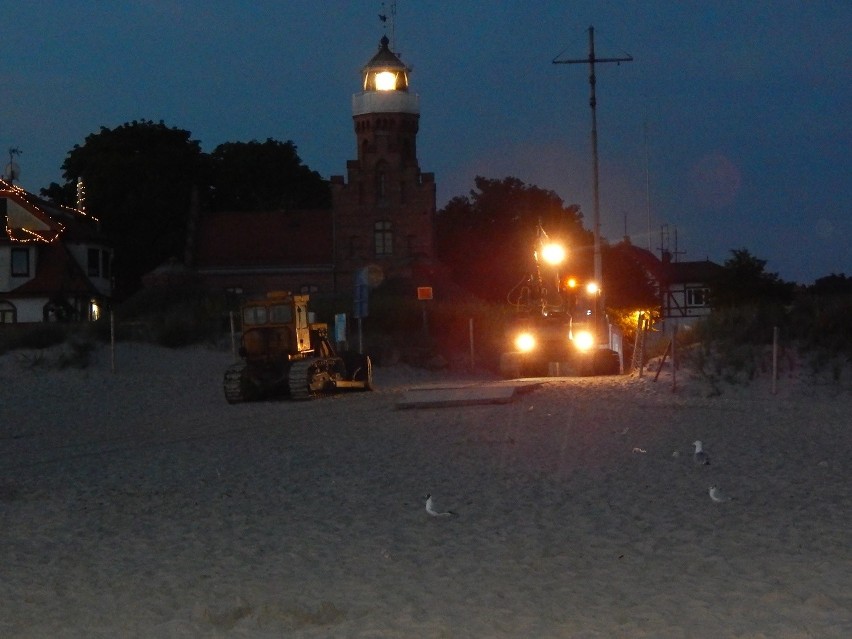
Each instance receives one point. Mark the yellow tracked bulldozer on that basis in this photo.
(284, 353)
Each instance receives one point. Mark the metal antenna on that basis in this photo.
(591, 61)
(647, 185)
(390, 18)
(13, 171)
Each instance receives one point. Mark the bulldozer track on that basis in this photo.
(298, 381)
(233, 384)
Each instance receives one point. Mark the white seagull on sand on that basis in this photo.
(717, 495)
(431, 510)
(699, 455)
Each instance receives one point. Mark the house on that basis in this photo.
(683, 287)
(55, 264)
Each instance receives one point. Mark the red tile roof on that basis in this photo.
(267, 238)
(57, 272)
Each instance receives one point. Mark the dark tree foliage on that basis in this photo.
(627, 285)
(487, 238)
(63, 194)
(832, 285)
(821, 318)
(138, 179)
(264, 176)
(744, 281)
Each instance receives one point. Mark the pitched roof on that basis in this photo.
(667, 272)
(385, 58)
(57, 273)
(701, 272)
(244, 239)
(51, 220)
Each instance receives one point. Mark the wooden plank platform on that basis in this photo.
(470, 395)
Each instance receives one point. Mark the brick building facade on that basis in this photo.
(382, 215)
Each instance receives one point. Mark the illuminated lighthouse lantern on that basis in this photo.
(385, 86)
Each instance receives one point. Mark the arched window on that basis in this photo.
(381, 182)
(383, 238)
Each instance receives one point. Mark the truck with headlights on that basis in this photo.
(558, 328)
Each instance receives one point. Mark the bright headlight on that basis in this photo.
(525, 342)
(584, 340)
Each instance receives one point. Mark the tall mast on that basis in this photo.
(591, 61)
(648, 186)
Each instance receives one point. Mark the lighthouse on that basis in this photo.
(384, 208)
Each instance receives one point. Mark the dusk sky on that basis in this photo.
(732, 121)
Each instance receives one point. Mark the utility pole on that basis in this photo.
(591, 61)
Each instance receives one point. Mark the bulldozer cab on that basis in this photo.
(276, 327)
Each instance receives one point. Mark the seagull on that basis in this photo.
(699, 455)
(717, 495)
(435, 513)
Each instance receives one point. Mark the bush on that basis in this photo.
(173, 316)
(396, 329)
(76, 340)
(733, 344)
(33, 336)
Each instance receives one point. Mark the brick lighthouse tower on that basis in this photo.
(384, 210)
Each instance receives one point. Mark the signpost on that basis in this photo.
(424, 294)
(361, 309)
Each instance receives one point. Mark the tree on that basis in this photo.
(744, 281)
(832, 284)
(264, 176)
(627, 285)
(487, 238)
(139, 178)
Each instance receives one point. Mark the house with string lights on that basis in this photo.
(55, 264)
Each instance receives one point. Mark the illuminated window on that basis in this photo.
(20, 262)
(385, 81)
(383, 238)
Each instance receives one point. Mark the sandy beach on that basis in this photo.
(138, 503)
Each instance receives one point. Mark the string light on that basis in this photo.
(81, 196)
(24, 235)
